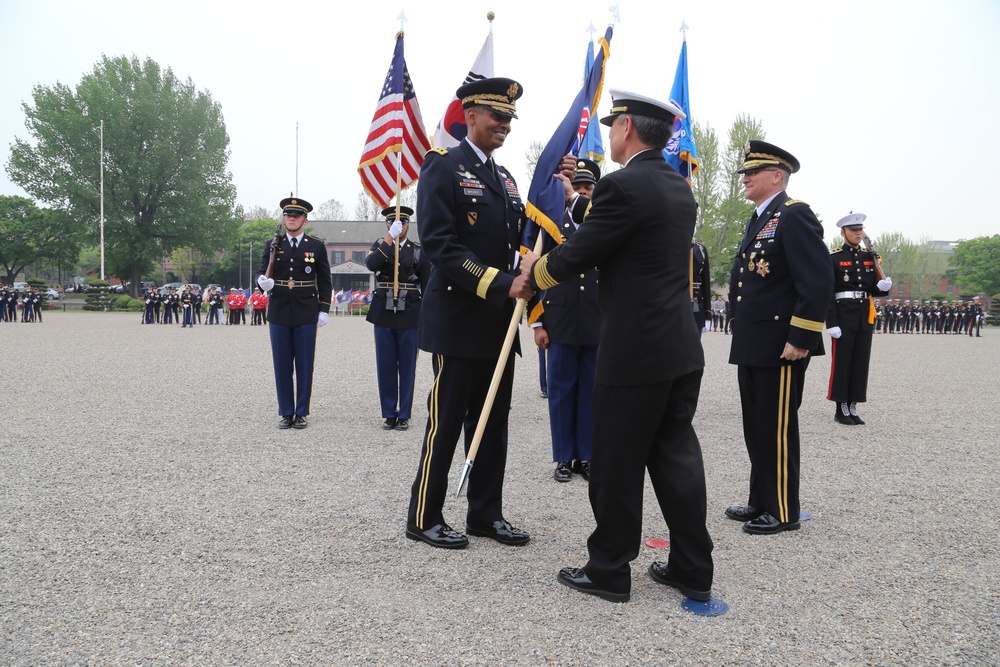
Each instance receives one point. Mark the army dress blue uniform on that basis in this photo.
(302, 290)
(780, 286)
(396, 328)
(470, 221)
(570, 314)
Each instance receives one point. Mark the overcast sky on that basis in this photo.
(893, 108)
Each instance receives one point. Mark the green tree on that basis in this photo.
(30, 236)
(165, 157)
(705, 183)
(977, 264)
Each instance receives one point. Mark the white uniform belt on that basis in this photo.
(851, 295)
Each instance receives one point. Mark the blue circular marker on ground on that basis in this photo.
(805, 516)
(713, 607)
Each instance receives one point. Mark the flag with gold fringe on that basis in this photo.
(397, 140)
(546, 195)
(681, 152)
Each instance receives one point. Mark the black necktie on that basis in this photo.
(295, 241)
(493, 170)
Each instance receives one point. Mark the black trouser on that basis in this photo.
(455, 402)
(640, 429)
(770, 398)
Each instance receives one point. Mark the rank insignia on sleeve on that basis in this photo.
(472, 217)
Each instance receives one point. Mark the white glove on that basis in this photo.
(323, 319)
(708, 327)
(266, 284)
(885, 284)
(834, 332)
(396, 229)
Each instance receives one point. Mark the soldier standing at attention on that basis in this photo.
(395, 320)
(300, 287)
(850, 319)
(566, 324)
(779, 288)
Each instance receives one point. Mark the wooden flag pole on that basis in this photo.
(395, 241)
(508, 343)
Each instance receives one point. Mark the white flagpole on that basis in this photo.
(102, 200)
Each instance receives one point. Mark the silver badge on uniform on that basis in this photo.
(309, 269)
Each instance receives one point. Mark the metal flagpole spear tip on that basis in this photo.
(464, 477)
(490, 16)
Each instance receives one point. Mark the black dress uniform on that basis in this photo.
(396, 321)
(853, 311)
(302, 290)
(649, 367)
(470, 220)
(779, 290)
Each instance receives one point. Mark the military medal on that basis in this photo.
(847, 278)
(751, 266)
(762, 268)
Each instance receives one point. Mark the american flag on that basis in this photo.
(397, 129)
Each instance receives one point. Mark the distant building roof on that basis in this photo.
(944, 246)
(354, 231)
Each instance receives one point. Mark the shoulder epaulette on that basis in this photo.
(439, 151)
(795, 201)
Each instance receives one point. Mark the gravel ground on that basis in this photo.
(151, 513)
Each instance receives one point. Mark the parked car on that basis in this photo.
(50, 294)
(145, 285)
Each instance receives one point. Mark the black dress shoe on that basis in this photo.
(286, 422)
(661, 574)
(766, 524)
(402, 424)
(563, 472)
(300, 422)
(389, 423)
(442, 536)
(739, 513)
(585, 470)
(854, 415)
(843, 415)
(502, 532)
(577, 579)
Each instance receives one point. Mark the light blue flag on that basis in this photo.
(681, 152)
(591, 144)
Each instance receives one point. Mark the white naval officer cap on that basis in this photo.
(852, 220)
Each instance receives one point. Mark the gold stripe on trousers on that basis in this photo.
(433, 419)
(784, 401)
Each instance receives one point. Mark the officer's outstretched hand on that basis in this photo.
(521, 288)
(396, 229)
(323, 319)
(885, 284)
(834, 332)
(266, 284)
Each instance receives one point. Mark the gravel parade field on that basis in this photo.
(151, 513)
